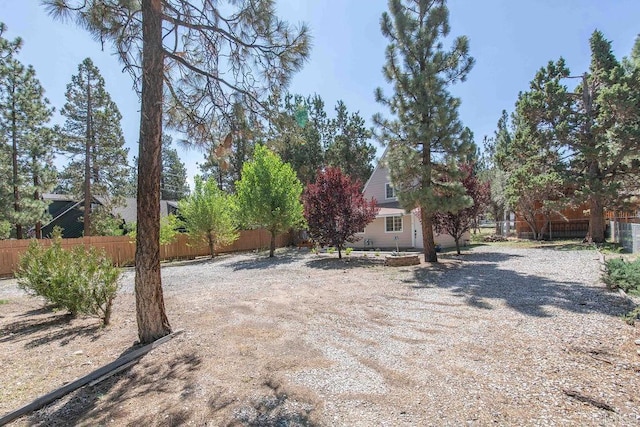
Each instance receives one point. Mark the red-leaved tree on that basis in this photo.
(456, 224)
(335, 209)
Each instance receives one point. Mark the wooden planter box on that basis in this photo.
(401, 260)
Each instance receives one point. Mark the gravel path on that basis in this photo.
(500, 335)
(497, 335)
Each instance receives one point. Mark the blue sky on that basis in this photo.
(509, 39)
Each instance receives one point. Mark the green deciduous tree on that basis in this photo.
(192, 60)
(425, 136)
(26, 143)
(94, 142)
(269, 195)
(209, 215)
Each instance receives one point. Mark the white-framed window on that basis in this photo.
(389, 191)
(393, 224)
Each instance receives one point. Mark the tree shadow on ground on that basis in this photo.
(334, 263)
(106, 402)
(261, 261)
(480, 279)
(39, 330)
(117, 400)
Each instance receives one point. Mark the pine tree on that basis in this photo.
(349, 148)
(298, 133)
(168, 42)
(173, 182)
(595, 129)
(224, 161)
(94, 142)
(24, 112)
(425, 137)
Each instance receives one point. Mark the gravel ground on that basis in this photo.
(500, 335)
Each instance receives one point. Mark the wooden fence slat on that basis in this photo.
(122, 249)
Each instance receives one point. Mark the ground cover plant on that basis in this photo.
(623, 274)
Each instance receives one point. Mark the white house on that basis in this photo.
(393, 225)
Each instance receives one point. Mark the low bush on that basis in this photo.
(78, 280)
(348, 251)
(5, 229)
(622, 274)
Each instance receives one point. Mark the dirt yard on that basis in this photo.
(500, 335)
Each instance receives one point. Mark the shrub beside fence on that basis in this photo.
(122, 250)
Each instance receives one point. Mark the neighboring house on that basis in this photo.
(66, 212)
(393, 225)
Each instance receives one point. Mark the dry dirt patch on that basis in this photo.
(499, 335)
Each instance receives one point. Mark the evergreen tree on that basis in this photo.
(535, 172)
(224, 161)
(298, 133)
(269, 195)
(209, 215)
(169, 43)
(173, 182)
(94, 143)
(425, 137)
(335, 209)
(303, 135)
(349, 148)
(24, 112)
(595, 129)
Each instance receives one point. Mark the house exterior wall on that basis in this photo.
(375, 187)
(378, 238)
(411, 235)
(444, 240)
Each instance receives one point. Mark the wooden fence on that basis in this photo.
(122, 249)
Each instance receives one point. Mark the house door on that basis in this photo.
(417, 232)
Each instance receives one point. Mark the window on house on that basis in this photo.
(390, 192)
(393, 224)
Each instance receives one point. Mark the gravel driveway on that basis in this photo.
(500, 335)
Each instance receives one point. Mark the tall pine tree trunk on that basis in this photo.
(87, 164)
(427, 222)
(150, 310)
(430, 254)
(36, 197)
(14, 162)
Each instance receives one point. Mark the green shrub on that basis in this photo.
(622, 274)
(331, 250)
(5, 229)
(348, 251)
(78, 280)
